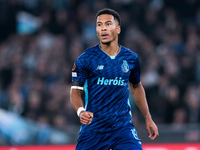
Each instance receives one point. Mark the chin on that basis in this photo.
(105, 42)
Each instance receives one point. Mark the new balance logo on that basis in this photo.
(100, 67)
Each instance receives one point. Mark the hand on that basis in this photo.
(152, 129)
(86, 117)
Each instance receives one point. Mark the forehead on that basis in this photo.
(104, 18)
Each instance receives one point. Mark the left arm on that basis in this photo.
(139, 96)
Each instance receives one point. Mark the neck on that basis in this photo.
(112, 49)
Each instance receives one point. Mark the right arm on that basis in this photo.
(77, 102)
(79, 75)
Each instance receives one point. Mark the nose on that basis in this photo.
(103, 28)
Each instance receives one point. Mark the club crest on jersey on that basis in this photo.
(125, 66)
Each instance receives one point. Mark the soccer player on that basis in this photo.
(105, 72)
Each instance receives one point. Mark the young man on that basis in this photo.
(105, 72)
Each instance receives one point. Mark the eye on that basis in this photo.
(108, 23)
(98, 24)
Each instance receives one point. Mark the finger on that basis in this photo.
(89, 122)
(85, 115)
(91, 115)
(155, 131)
(86, 122)
(149, 131)
(88, 114)
(86, 118)
(83, 121)
(154, 135)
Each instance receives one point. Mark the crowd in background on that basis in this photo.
(35, 68)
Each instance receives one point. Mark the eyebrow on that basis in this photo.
(105, 22)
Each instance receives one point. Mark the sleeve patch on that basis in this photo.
(74, 67)
(74, 74)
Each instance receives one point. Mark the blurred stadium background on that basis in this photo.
(40, 40)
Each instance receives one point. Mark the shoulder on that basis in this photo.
(88, 56)
(88, 53)
(129, 52)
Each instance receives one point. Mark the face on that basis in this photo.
(107, 28)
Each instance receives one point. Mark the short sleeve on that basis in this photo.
(80, 70)
(134, 77)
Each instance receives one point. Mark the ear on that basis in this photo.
(118, 29)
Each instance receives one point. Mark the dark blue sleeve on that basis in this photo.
(134, 77)
(80, 69)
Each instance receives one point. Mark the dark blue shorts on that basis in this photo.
(125, 138)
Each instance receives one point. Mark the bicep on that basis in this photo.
(137, 89)
(77, 89)
(134, 86)
(75, 92)
(75, 98)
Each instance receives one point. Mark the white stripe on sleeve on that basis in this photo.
(77, 87)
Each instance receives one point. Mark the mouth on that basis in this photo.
(104, 36)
